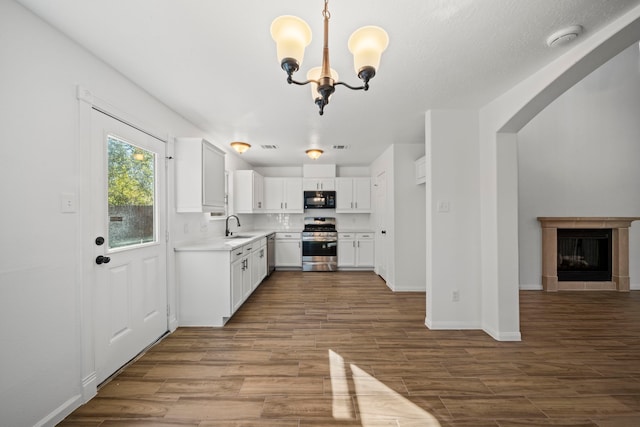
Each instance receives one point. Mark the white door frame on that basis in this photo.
(86, 103)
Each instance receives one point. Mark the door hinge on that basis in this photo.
(166, 236)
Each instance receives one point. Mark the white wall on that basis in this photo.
(579, 157)
(405, 217)
(453, 233)
(40, 247)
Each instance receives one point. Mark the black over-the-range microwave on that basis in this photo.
(319, 199)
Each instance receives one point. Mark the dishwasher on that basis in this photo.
(271, 253)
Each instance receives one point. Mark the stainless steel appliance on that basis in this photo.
(320, 200)
(319, 244)
(271, 253)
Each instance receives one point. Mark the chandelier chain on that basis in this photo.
(325, 12)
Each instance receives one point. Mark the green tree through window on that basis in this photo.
(131, 193)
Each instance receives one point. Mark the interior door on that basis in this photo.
(381, 225)
(128, 211)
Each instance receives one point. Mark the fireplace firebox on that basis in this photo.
(584, 254)
(582, 246)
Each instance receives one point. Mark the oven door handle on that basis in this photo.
(320, 239)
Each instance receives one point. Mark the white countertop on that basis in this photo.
(222, 243)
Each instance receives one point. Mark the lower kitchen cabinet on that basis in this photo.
(356, 250)
(213, 284)
(288, 249)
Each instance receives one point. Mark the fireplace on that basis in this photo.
(585, 253)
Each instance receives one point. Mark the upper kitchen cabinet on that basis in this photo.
(248, 192)
(353, 195)
(283, 195)
(319, 184)
(199, 176)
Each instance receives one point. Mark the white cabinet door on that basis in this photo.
(273, 194)
(344, 194)
(247, 191)
(353, 195)
(247, 287)
(346, 253)
(288, 253)
(364, 253)
(283, 195)
(199, 176)
(293, 195)
(258, 266)
(237, 273)
(362, 194)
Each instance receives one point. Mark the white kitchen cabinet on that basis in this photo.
(199, 176)
(288, 249)
(356, 250)
(213, 284)
(319, 184)
(248, 192)
(353, 195)
(283, 195)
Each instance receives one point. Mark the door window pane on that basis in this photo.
(131, 194)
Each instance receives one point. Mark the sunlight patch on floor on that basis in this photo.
(378, 405)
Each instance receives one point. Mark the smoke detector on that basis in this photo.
(564, 36)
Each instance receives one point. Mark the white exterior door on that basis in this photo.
(381, 226)
(128, 211)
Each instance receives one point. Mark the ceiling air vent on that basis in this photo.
(340, 147)
(269, 147)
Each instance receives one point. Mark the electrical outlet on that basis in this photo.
(455, 296)
(443, 206)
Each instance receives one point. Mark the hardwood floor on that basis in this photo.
(340, 349)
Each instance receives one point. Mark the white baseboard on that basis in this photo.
(89, 387)
(450, 325)
(61, 412)
(503, 336)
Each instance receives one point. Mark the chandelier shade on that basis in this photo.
(292, 35)
(367, 44)
(313, 76)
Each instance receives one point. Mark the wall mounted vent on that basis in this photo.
(269, 147)
(340, 147)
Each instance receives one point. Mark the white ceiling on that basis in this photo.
(214, 63)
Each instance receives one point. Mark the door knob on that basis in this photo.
(102, 259)
(384, 232)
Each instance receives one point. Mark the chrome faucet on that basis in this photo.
(226, 231)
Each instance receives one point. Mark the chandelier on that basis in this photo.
(292, 35)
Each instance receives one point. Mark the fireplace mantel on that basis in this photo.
(620, 247)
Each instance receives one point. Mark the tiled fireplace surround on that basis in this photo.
(620, 247)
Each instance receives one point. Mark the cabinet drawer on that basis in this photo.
(364, 235)
(238, 253)
(290, 236)
(260, 243)
(347, 236)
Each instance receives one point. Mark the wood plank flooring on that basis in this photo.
(340, 349)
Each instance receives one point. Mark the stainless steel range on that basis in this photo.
(319, 244)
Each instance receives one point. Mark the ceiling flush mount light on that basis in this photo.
(292, 35)
(564, 36)
(314, 153)
(240, 147)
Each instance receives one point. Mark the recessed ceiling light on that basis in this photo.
(564, 36)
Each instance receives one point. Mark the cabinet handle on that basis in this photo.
(356, 205)
(353, 244)
(351, 205)
(285, 205)
(358, 243)
(280, 205)
(238, 253)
